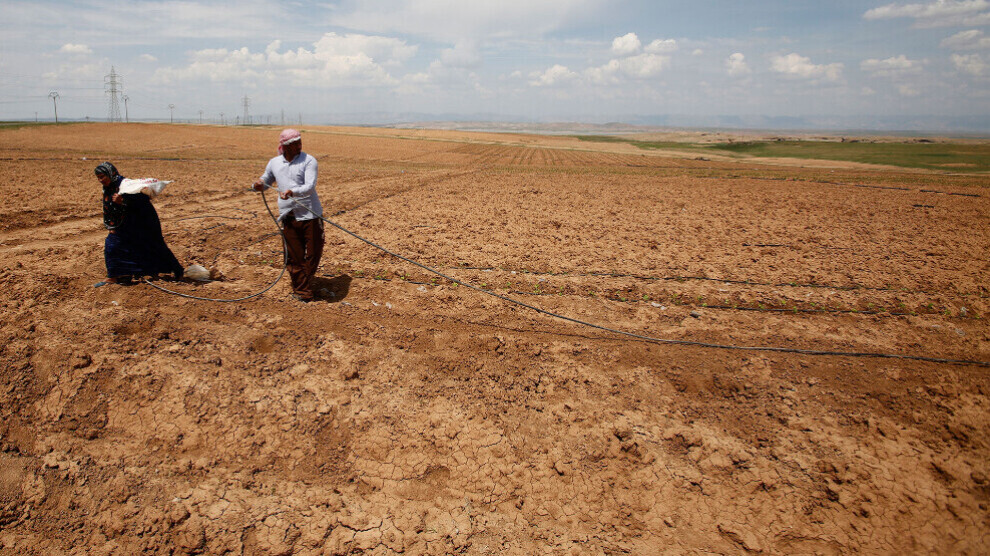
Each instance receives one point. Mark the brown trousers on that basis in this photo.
(304, 240)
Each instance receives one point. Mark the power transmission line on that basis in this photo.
(247, 116)
(111, 84)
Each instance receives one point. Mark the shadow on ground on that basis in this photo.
(332, 290)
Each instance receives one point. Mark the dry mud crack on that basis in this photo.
(404, 414)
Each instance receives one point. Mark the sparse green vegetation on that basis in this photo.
(18, 125)
(959, 157)
(932, 156)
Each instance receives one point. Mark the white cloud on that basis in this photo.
(419, 78)
(604, 75)
(891, 67)
(907, 91)
(73, 71)
(148, 58)
(867, 92)
(413, 83)
(334, 60)
(641, 66)
(697, 52)
(555, 75)
(626, 44)
(463, 55)
(800, 66)
(940, 13)
(661, 46)
(478, 86)
(736, 64)
(75, 49)
(644, 65)
(632, 63)
(973, 64)
(384, 50)
(479, 21)
(967, 40)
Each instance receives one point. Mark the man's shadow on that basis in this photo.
(331, 290)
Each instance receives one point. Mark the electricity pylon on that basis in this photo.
(112, 87)
(247, 103)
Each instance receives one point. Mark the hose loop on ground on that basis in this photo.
(285, 260)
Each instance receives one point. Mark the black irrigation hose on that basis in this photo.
(285, 258)
(844, 184)
(639, 336)
(208, 216)
(853, 287)
(726, 307)
(949, 193)
(262, 238)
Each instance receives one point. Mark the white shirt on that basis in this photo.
(298, 176)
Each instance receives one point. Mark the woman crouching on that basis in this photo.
(135, 246)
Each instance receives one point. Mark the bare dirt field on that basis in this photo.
(404, 413)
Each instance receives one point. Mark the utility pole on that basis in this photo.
(247, 116)
(110, 85)
(221, 119)
(171, 112)
(54, 96)
(126, 119)
(35, 117)
(201, 116)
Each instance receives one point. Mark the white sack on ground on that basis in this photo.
(197, 272)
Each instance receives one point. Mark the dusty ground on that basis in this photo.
(406, 414)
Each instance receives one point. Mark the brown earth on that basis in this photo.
(404, 413)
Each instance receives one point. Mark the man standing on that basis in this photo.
(295, 173)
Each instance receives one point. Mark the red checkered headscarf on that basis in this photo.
(287, 136)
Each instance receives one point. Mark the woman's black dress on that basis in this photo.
(135, 246)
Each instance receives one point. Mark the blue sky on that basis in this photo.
(551, 60)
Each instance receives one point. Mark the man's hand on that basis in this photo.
(117, 198)
(259, 185)
(285, 194)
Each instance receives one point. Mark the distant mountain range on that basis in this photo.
(865, 124)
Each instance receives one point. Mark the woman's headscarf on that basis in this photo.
(113, 213)
(106, 169)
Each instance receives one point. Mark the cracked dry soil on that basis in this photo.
(403, 414)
